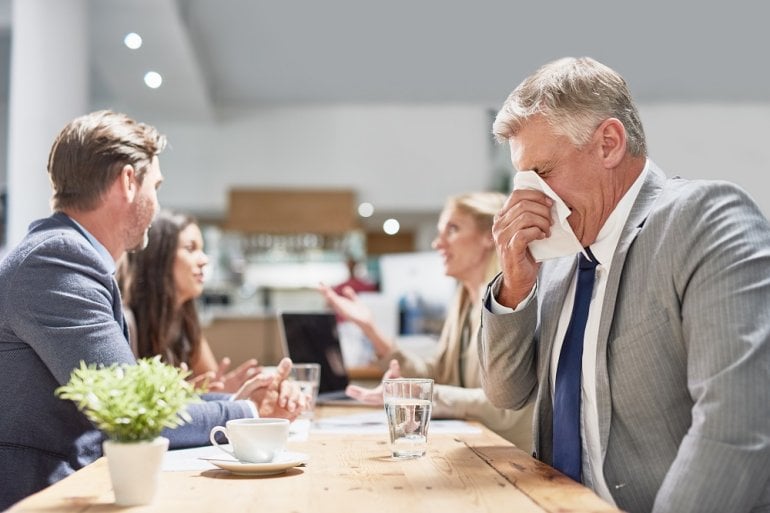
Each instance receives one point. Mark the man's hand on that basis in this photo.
(273, 394)
(525, 216)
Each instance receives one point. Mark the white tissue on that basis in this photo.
(562, 241)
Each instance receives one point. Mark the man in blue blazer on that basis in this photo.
(655, 389)
(59, 305)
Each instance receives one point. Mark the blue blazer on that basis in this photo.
(59, 304)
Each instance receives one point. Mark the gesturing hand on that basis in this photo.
(347, 305)
(232, 381)
(273, 394)
(374, 395)
(205, 381)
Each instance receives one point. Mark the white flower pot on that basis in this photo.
(135, 469)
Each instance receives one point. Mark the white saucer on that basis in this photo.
(283, 463)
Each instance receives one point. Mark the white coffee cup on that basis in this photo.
(253, 440)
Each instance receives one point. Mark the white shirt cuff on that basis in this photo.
(498, 309)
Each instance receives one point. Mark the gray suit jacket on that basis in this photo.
(59, 304)
(683, 357)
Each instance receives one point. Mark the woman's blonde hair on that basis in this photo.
(482, 206)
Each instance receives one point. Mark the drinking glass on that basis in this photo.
(308, 378)
(408, 403)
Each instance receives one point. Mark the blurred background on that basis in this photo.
(304, 134)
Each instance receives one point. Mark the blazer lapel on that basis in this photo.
(649, 192)
(551, 297)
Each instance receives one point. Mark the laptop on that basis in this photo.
(312, 337)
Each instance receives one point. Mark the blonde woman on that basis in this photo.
(465, 243)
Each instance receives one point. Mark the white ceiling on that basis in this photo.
(216, 55)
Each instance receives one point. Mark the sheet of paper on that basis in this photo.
(193, 459)
(375, 423)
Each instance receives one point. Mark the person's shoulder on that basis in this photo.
(50, 242)
(699, 198)
(698, 216)
(689, 187)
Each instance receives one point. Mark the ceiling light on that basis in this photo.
(153, 79)
(365, 209)
(133, 40)
(391, 226)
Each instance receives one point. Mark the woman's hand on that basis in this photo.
(232, 381)
(373, 396)
(347, 305)
(205, 381)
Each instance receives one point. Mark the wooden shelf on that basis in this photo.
(379, 243)
(280, 211)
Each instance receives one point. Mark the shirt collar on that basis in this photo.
(98, 246)
(607, 241)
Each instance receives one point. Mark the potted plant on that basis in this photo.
(131, 405)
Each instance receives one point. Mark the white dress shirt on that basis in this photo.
(603, 249)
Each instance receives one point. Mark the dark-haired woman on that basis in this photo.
(160, 285)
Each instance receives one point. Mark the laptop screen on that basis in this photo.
(313, 338)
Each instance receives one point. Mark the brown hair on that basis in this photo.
(89, 153)
(147, 283)
(574, 95)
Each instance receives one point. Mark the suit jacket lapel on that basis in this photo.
(551, 297)
(649, 192)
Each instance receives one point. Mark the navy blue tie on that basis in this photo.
(566, 402)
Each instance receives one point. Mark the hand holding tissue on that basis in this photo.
(562, 241)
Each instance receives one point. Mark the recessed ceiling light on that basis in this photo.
(365, 209)
(133, 40)
(153, 79)
(391, 226)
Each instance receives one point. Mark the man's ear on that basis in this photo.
(129, 185)
(612, 142)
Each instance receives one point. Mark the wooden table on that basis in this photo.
(460, 473)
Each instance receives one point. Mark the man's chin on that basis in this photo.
(142, 245)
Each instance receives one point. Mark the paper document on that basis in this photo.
(193, 459)
(376, 423)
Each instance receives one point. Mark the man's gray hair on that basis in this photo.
(574, 95)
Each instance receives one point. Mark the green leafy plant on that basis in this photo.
(131, 403)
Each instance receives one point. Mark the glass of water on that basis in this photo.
(407, 406)
(308, 378)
